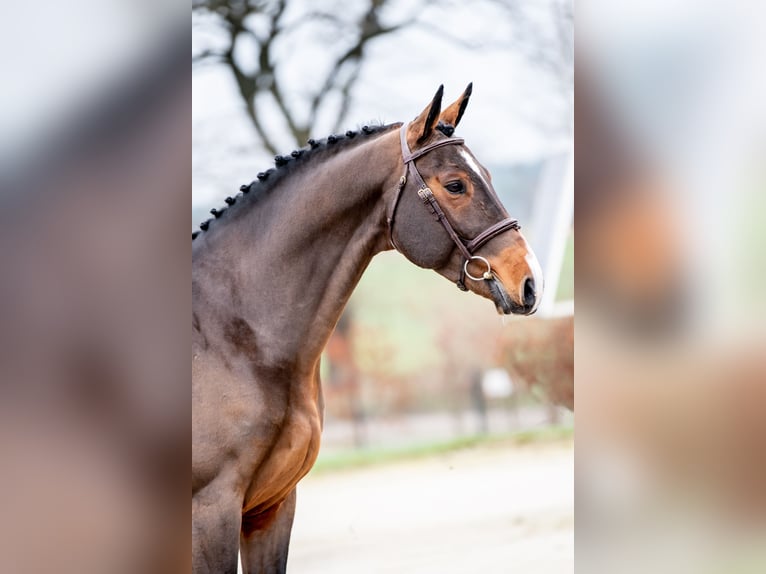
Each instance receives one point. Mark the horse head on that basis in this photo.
(463, 233)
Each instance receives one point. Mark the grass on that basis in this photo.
(363, 458)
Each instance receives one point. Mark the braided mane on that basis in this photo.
(287, 164)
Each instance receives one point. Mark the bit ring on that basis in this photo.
(487, 274)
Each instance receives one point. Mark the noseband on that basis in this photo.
(427, 196)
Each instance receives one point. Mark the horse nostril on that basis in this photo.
(529, 292)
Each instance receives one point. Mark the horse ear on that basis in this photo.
(423, 126)
(452, 115)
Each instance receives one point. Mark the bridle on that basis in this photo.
(426, 195)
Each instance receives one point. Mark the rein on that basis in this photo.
(427, 196)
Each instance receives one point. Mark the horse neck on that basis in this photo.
(288, 265)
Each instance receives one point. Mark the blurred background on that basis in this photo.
(671, 379)
(669, 124)
(95, 177)
(95, 184)
(416, 370)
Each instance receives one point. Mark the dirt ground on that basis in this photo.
(491, 509)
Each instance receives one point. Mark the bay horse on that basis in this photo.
(271, 274)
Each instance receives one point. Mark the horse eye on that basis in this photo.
(455, 187)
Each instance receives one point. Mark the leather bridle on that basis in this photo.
(426, 195)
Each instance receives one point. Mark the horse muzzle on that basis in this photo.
(506, 305)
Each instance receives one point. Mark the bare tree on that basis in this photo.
(253, 35)
(259, 24)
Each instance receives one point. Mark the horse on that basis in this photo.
(271, 274)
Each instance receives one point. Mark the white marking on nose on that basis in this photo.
(473, 165)
(537, 276)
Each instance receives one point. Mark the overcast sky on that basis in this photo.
(400, 75)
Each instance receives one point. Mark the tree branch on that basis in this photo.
(208, 56)
(370, 27)
(248, 91)
(345, 92)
